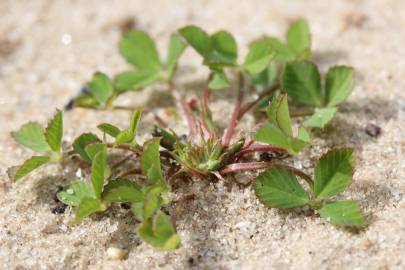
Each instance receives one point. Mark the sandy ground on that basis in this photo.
(48, 49)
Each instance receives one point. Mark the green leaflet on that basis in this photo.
(93, 149)
(219, 81)
(282, 52)
(159, 232)
(137, 209)
(122, 190)
(98, 172)
(86, 101)
(333, 173)
(140, 50)
(101, 87)
(54, 132)
(176, 48)
(302, 82)
(298, 43)
(150, 162)
(338, 85)
(224, 49)
(267, 77)
(279, 131)
(75, 193)
(152, 201)
(28, 166)
(279, 114)
(87, 207)
(303, 135)
(197, 38)
(269, 133)
(32, 136)
(259, 56)
(321, 117)
(279, 188)
(81, 142)
(299, 38)
(109, 129)
(128, 135)
(135, 80)
(345, 213)
(218, 50)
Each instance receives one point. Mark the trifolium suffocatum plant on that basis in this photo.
(271, 75)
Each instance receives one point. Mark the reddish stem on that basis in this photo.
(228, 133)
(250, 166)
(253, 103)
(191, 121)
(259, 148)
(131, 172)
(160, 121)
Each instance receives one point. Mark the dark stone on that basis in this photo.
(60, 209)
(373, 130)
(125, 206)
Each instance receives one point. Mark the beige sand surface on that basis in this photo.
(48, 49)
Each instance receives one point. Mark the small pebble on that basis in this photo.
(125, 206)
(60, 209)
(115, 253)
(373, 130)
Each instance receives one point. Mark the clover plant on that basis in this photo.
(273, 74)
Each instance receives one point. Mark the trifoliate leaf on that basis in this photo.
(224, 49)
(282, 52)
(98, 172)
(81, 142)
(74, 193)
(94, 148)
(344, 213)
(128, 135)
(159, 232)
(139, 50)
(101, 87)
(197, 38)
(176, 48)
(299, 38)
(219, 81)
(333, 173)
(339, 85)
(135, 80)
(122, 190)
(32, 136)
(16, 173)
(150, 162)
(124, 137)
(259, 56)
(54, 132)
(109, 129)
(279, 114)
(271, 134)
(87, 207)
(136, 118)
(279, 188)
(301, 80)
(320, 118)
